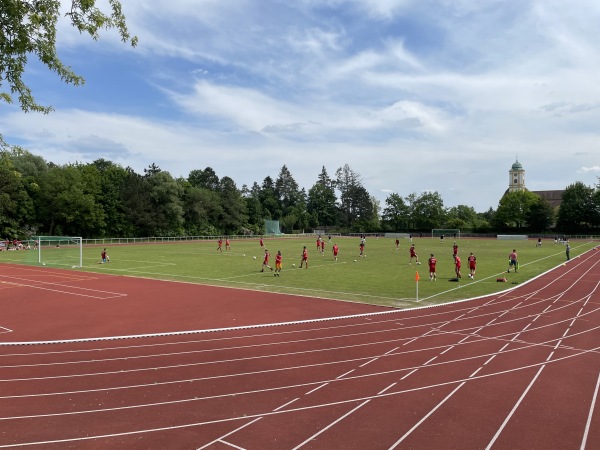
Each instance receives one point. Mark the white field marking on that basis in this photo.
(322, 430)
(344, 374)
(285, 270)
(472, 376)
(493, 356)
(79, 294)
(250, 285)
(286, 404)
(298, 367)
(514, 339)
(231, 432)
(424, 418)
(590, 414)
(75, 288)
(316, 389)
(489, 446)
(229, 444)
(498, 295)
(512, 288)
(310, 407)
(259, 335)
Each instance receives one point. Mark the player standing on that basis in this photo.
(472, 263)
(457, 265)
(220, 245)
(454, 250)
(335, 249)
(278, 260)
(227, 246)
(319, 244)
(513, 260)
(261, 242)
(362, 248)
(304, 257)
(432, 273)
(397, 244)
(323, 247)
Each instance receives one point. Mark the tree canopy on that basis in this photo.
(29, 28)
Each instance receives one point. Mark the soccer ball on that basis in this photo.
(254, 257)
(43, 264)
(355, 260)
(293, 265)
(244, 254)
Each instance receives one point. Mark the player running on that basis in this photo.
(266, 262)
(413, 254)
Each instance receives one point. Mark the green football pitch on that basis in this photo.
(383, 277)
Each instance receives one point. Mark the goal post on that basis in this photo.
(58, 251)
(453, 233)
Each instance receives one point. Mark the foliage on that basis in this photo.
(579, 210)
(514, 208)
(29, 28)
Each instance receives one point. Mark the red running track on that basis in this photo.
(516, 370)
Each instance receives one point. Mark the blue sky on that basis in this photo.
(415, 96)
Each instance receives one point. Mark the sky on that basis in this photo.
(414, 95)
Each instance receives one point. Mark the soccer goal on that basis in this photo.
(450, 233)
(58, 251)
(272, 227)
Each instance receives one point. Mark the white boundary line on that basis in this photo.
(246, 327)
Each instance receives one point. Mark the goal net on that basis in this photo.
(450, 233)
(272, 227)
(58, 251)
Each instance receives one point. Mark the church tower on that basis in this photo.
(516, 175)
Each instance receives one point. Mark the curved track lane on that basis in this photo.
(515, 370)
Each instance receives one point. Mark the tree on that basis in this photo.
(29, 28)
(67, 202)
(269, 201)
(355, 203)
(206, 178)
(540, 216)
(16, 206)
(513, 208)
(321, 201)
(429, 211)
(577, 209)
(234, 216)
(395, 214)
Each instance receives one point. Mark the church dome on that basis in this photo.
(517, 166)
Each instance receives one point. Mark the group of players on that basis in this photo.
(432, 261)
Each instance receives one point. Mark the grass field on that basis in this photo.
(384, 277)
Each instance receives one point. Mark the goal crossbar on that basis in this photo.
(66, 251)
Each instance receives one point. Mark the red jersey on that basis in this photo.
(335, 249)
(432, 263)
(267, 257)
(304, 254)
(413, 252)
(472, 260)
(322, 245)
(278, 258)
(457, 262)
(455, 248)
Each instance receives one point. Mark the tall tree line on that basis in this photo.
(104, 199)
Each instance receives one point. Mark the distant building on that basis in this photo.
(516, 182)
